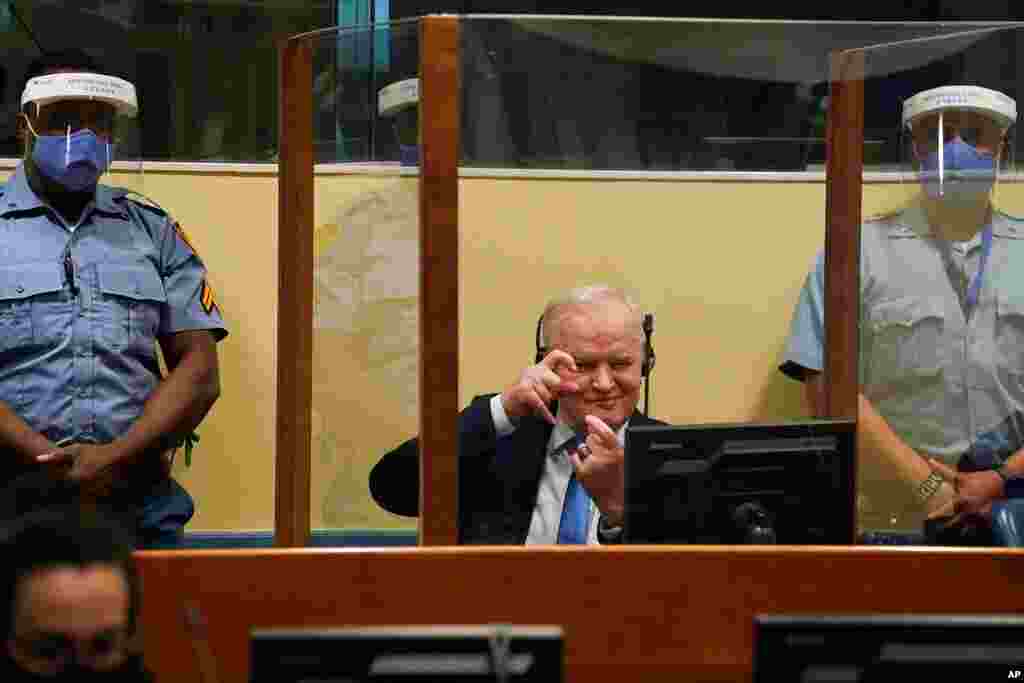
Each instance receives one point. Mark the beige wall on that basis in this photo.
(719, 263)
(232, 220)
(716, 265)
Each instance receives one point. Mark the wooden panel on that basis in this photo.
(843, 192)
(439, 280)
(295, 295)
(843, 188)
(637, 613)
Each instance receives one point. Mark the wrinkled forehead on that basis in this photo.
(70, 594)
(607, 321)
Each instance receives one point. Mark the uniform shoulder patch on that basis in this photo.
(884, 215)
(1009, 217)
(206, 297)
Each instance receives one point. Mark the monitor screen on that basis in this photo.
(830, 649)
(459, 654)
(789, 483)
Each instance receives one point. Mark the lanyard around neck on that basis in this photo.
(974, 290)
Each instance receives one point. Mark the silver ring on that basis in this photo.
(583, 450)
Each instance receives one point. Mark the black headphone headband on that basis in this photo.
(648, 327)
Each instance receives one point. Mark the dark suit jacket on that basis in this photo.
(498, 478)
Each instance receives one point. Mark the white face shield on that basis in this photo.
(954, 141)
(117, 92)
(77, 121)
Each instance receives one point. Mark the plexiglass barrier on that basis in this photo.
(940, 368)
(659, 94)
(613, 151)
(366, 286)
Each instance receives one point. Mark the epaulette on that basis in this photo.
(884, 215)
(1003, 214)
(142, 201)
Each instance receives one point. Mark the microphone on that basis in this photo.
(754, 524)
(648, 327)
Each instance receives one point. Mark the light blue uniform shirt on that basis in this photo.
(940, 377)
(82, 306)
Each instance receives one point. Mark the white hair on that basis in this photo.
(587, 294)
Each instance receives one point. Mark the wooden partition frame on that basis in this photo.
(439, 285)
(843, 193)
(295, 294)
(439, 272)
(439, 280)
(640, 613)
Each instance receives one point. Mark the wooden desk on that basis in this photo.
(632, 613)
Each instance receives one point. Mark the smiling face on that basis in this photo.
(605, 339)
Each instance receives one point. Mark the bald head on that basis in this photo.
(594, 298)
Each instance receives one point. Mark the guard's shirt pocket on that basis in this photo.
(130, 302)
(905, 341)
(35, 311)
(1010, 334)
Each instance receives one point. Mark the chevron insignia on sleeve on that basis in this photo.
(206, 297)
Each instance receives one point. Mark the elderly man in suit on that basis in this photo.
(543, 461)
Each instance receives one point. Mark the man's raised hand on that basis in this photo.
(539, 385)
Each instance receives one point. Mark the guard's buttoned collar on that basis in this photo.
(17, 196)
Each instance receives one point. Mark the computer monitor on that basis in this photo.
(856, 649)
(440, 654)
(789, 483)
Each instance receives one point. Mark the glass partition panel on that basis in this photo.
(940, 289)
(579, 139)
(366, 272)
(657, 94)
(576, 137)
(205, 69)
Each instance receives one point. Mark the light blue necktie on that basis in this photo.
(576, 509)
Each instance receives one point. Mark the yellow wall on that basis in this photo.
(232, 220)
(712, 261)
(719, 263)
(719, 272)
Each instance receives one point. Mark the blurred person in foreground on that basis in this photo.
(70, 599)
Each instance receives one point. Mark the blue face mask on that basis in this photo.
(967, 173)
(74, 161)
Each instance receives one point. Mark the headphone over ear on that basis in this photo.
(649, 358)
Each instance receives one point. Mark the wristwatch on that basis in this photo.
(929, 486)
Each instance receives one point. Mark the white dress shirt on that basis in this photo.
(554, 481)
